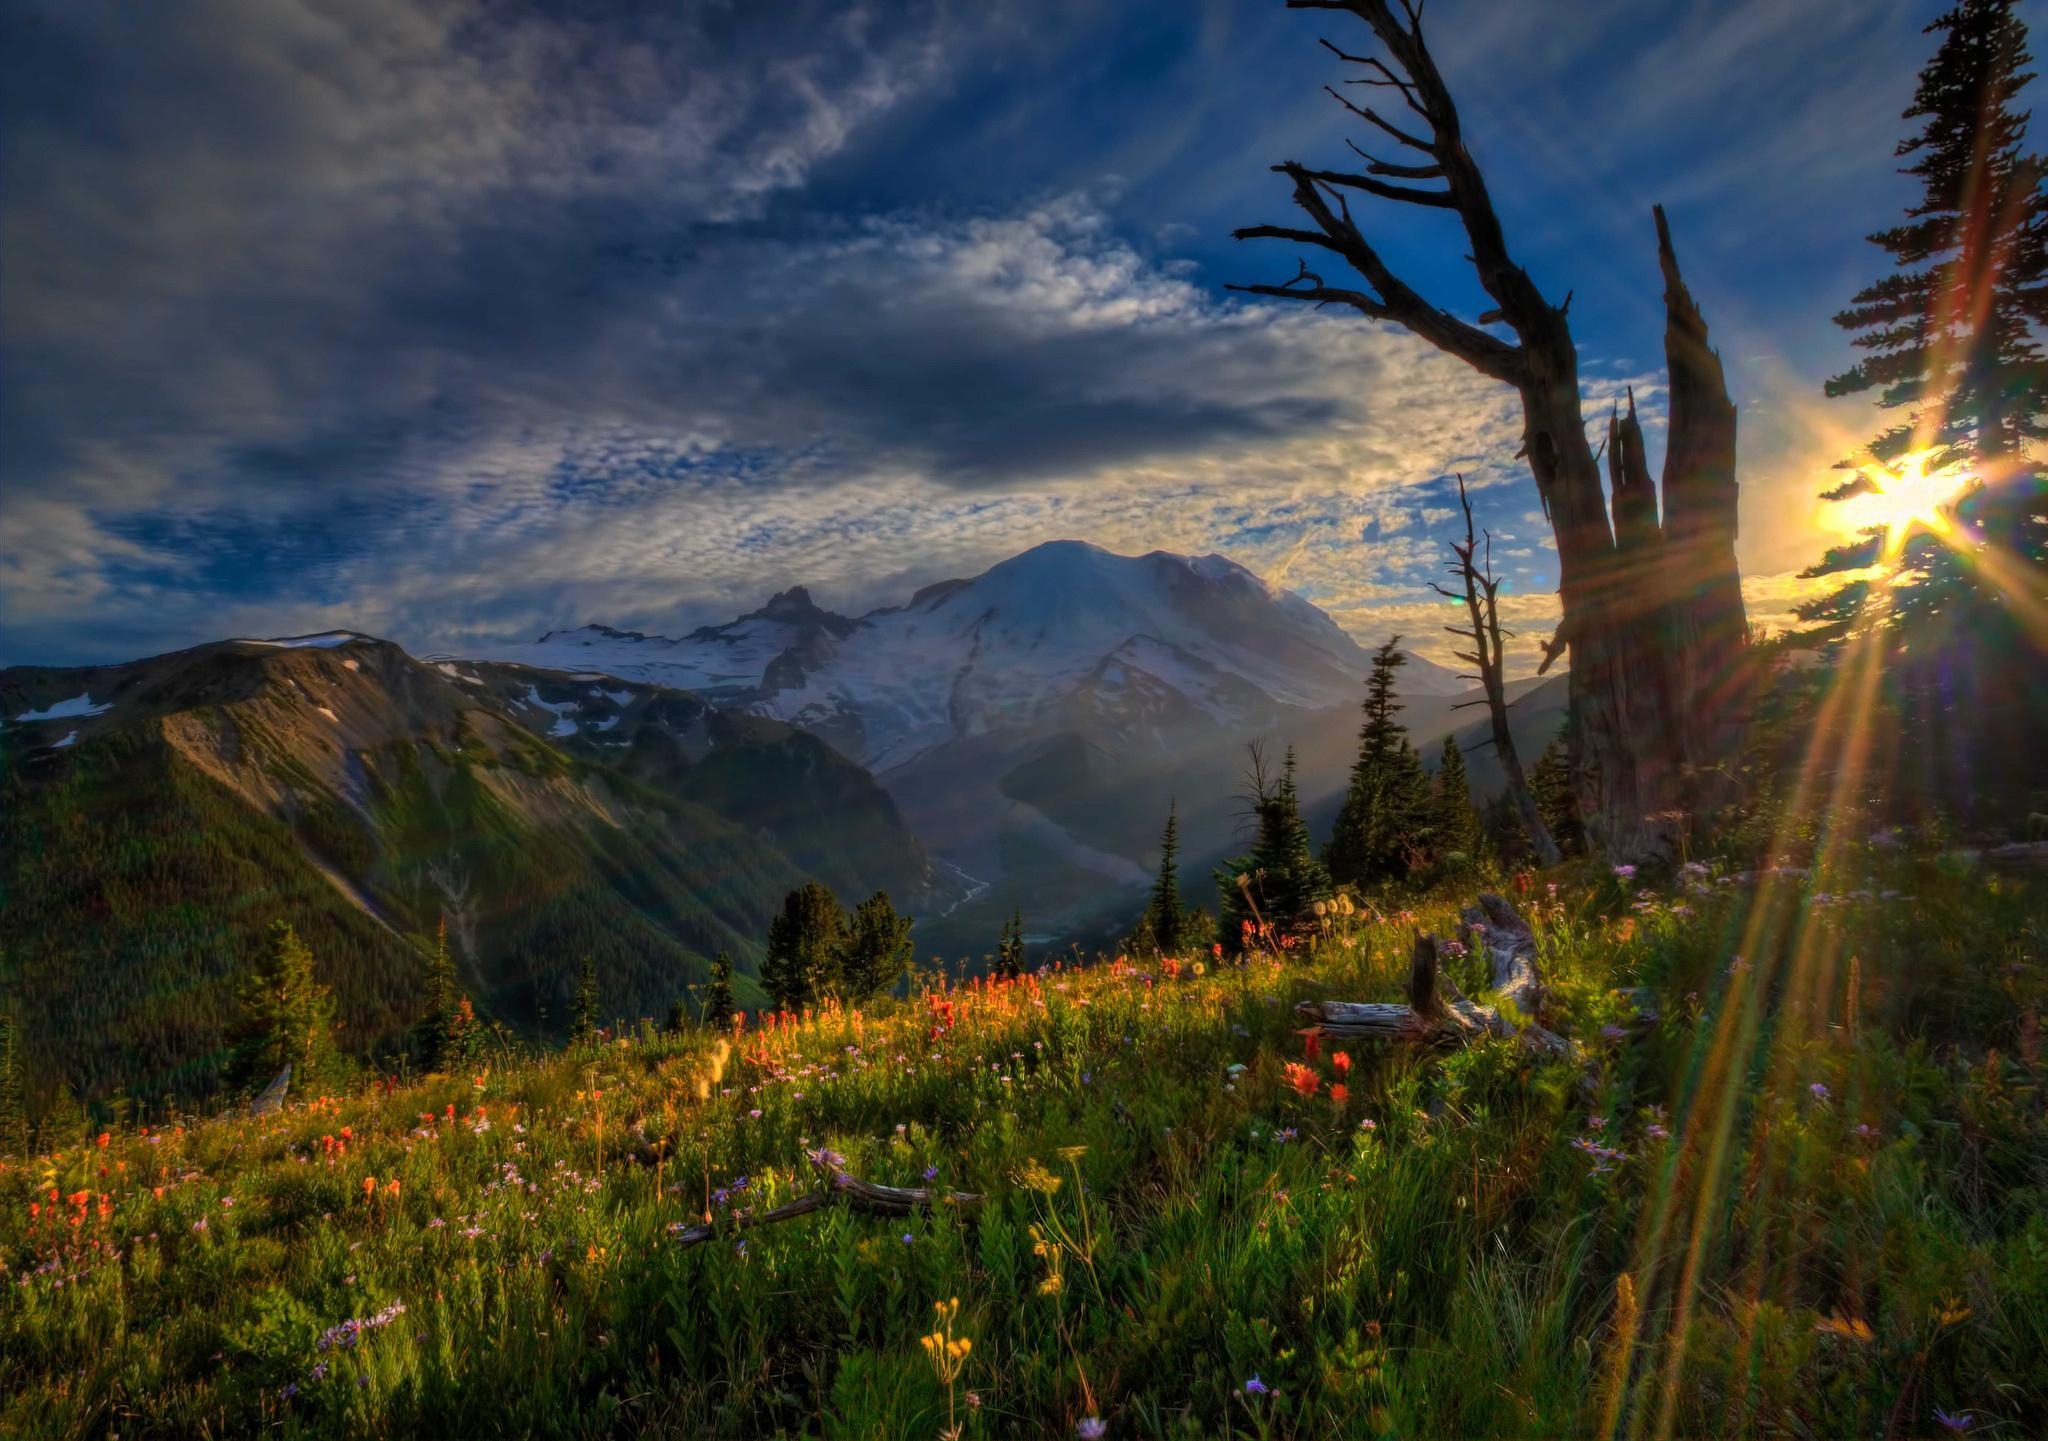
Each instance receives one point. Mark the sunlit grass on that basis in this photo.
(1793, 1203)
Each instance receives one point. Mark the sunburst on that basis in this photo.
(1914, 495)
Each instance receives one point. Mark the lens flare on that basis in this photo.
(1914, 495)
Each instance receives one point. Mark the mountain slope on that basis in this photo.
(157, 816)
(1033, 722)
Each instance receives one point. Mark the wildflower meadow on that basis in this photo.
(1788, 1178)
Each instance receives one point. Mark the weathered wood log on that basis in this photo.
(1437, 1013)
(867, 1197)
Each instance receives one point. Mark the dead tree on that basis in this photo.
(867, 1197)
(1653, 611)
(1480, 590)
(1437, 1012)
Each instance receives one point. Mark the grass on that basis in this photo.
(1808, 1200)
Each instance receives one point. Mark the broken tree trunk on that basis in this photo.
(1437, 1013)
(867, 1197)
(1653, 616)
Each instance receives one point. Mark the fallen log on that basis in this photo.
(867, 1197)
(1437, 1012)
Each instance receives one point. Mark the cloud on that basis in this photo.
(457, 320)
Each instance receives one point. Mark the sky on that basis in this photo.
(457, 322)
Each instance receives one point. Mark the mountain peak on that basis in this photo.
(794, 601)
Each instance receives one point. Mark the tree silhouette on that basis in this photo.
(1653, 612)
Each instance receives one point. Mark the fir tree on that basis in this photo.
(803, 947)
(450, 1036)
(1279, 881)
(1385, 819)
(1165, 919)
(13, 1104)
(1950, 333)
(1009, 962)
(1551, 781)
(287, 1017)
(719, 1004)
(874, 950)
(1457, 832)
(583, 1016)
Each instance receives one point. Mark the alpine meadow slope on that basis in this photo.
(158, 816)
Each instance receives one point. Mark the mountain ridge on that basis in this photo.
(157, 815)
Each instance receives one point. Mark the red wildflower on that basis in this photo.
(1304, 1081)
(1340, 1061)
(104, 1138)
(1339, 1094)
(1311, 1043)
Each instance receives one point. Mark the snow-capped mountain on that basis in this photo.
(1148, 650)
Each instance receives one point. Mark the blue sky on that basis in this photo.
(456, 322)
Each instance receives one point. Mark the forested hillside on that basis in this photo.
(154, 829)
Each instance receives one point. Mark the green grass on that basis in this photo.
(1441, 1254)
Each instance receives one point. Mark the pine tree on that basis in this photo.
(874, 950)
(803, 947)
(583, 1016)
(1166, 919)
(1950, 333)
(1279, 881)
(1457, 833)
(1385, 819)
(719, 1004)
(450, 1036)
(287, 1017)
(1009, 961)
(1552, 783)
(13, 1104)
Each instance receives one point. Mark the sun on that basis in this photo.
(1913, 495)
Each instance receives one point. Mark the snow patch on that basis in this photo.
(78, 705)
(563, 726)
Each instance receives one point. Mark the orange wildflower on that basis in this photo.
(1304, 1081)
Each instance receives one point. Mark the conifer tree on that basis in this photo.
(450, 1036)
(287, 1017)
(1385, 819)
(13, 1104)
(1165, 918)
(1457, 832)
(718, 998)
(1552, 784)
(583, 1016)
(1950, 334)
(1280, 880)
(803, 947)
(874, 949)
(1010, 949)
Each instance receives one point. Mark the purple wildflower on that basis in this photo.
(1819, 1089)
(1091, 1428)
(1956, 1423)
(1256, 1387)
